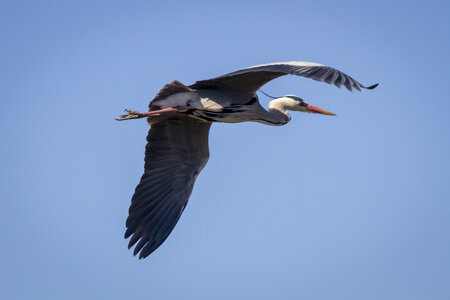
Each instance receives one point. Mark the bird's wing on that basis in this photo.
(176, 152)
(252, 78)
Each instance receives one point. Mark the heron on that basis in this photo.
(177, 150)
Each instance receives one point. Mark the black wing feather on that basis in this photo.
(176, 152)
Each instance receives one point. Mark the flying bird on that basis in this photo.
(177, 143)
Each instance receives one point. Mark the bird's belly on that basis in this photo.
(225, 115)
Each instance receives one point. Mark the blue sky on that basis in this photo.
(348, 207)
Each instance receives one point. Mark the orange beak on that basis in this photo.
(317, 110)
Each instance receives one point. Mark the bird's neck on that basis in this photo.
(277, 114)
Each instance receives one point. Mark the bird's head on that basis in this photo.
(295, 103)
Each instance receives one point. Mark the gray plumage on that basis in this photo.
(177, 148)
(253, 78)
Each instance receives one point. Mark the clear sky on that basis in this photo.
(355, 206)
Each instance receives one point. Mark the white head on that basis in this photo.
(295, 103)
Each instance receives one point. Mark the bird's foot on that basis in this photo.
(131, 114)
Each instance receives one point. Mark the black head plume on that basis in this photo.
(269, 95)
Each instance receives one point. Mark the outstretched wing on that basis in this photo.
(176, 152)
(252, 78)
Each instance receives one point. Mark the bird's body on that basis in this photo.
(217, 106)
(177, 150)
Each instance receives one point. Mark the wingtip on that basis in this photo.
(127, 233)
(372, 86)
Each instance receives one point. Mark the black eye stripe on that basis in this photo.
(295, 98)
